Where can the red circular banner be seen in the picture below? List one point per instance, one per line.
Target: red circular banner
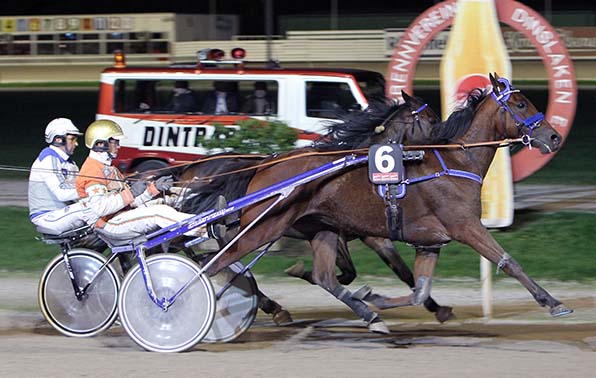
(562, 99)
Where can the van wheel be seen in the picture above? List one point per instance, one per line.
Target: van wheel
(148, 168)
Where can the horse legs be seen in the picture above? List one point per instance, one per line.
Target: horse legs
(325, 245)
(477, 237)
(424, 266)
(279, 314)
(387, 252)
(343, 262)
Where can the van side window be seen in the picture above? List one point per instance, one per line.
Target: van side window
(138, 96)
(328, 99)
(211, 97)
(156, 97)
(259, 97)
(221, 98)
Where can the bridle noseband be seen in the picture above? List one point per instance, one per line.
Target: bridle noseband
(532, 122)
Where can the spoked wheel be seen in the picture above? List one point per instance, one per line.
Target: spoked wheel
(89, 315)
(236, 306)
(185, 322)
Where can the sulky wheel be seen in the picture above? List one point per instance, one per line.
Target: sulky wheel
(185, 322)
(97, 308)
(236, 306)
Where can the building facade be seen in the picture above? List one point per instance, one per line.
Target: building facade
(76, 48)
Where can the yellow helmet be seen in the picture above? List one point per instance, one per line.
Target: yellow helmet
(101, 131)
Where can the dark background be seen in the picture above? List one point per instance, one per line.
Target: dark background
(251, 12)
(31, 110)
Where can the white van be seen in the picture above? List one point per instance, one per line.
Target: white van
(166, 111)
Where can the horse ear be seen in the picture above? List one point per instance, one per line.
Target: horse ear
(405, 96)
(494, 83)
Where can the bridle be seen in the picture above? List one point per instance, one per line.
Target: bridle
(415, 113)
(532, 122)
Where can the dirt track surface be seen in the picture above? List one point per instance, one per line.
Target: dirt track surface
(520, 340)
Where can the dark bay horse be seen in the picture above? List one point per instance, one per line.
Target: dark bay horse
(411, 121)
(356, 128)
(436, 211)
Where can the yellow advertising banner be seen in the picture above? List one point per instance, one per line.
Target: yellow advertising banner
(476, 47)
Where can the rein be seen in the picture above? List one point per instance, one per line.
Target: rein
(500, 143)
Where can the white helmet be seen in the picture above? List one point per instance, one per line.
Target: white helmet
(60, 127)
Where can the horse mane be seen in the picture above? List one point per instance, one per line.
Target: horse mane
(460, 120)
(356, 126)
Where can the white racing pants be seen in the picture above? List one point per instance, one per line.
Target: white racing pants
(67, 218)
(145, 219)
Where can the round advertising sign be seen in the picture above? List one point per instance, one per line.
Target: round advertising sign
(562, 99)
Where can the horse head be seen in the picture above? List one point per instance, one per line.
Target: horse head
(523, 119)
(410, 123)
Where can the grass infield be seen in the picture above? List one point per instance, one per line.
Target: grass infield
(556, 246)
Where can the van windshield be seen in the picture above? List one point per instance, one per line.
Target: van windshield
(210, 97)
(372, 84)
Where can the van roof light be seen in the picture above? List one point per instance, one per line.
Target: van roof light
(119, 60)
(211, 58)
(210, 54)
(238, 53)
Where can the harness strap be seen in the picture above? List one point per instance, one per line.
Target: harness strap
(457, 172)
(394, 213)
(445, 172)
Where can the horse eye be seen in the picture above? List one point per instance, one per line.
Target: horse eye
(521, 105)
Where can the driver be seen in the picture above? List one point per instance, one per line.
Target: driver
(51, 191)
(122, 211)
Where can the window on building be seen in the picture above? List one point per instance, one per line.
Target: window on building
(90, 48)
(158, 48)
(92, 36)
(113, 46)
(82, 42)
(45, 48)
(21, 48)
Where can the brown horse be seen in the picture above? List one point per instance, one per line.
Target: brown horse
(348, 133)
(436, 211)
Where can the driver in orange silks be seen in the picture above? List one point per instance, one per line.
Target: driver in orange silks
(122, 211)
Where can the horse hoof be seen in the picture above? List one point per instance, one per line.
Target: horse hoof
(378, 327)
(282, 317)
(296, 270)
(560, 310)
(444, 313)
(362, 293)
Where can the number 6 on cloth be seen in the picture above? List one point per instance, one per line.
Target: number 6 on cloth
(385, 164)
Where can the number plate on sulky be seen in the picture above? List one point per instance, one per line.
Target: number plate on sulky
(385, 164)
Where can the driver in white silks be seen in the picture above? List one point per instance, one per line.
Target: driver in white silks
(52, 193)
(122, 211)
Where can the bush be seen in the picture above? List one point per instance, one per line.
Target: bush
(252, 136)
